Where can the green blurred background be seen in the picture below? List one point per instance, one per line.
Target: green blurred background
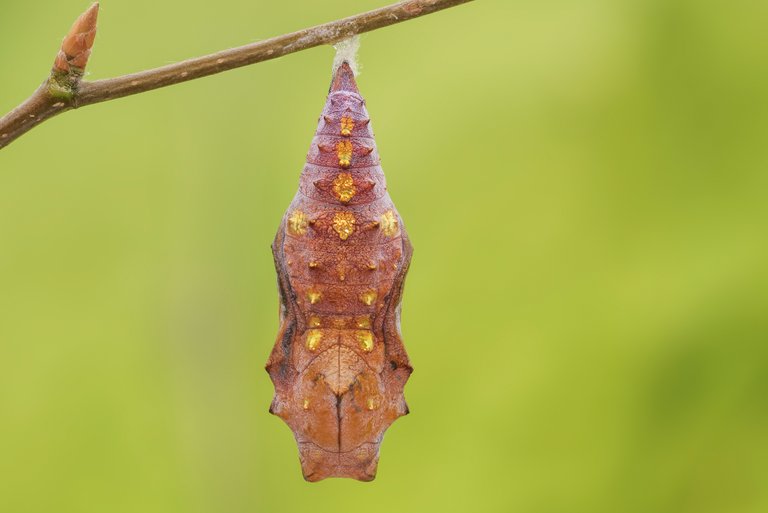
(585, 185)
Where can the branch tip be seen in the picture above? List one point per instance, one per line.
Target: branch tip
(76, 47)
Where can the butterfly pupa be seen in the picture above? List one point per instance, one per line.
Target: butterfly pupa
(341, 254)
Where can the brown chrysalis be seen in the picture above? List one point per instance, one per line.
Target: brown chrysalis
(341, 253)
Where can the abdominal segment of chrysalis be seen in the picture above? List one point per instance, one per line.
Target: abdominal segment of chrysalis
(339, 365)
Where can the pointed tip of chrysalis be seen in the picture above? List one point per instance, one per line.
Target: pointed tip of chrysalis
(344, 79)
(76, 47)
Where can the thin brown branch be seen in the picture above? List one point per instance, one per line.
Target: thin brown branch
(64, 89)
(76, 47)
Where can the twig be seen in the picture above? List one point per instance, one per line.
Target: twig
(64, 89)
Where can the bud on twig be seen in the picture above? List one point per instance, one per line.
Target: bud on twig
(76, 47)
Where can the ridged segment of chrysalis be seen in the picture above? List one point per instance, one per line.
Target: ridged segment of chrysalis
(341, 253)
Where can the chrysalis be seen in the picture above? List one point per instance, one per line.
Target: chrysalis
(341, 253)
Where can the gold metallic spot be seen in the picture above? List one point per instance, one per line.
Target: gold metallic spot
(313, 264)
(363, 322)
(344, 224)
(347, 124)
(306, 404)
(313, 296)
(372, 266)
(313, 339)
(368, 297)
(297, 222)
(344, 152)
(365, 339)
(372, 403)
(388, 223)
(314, 321)
(344, 187)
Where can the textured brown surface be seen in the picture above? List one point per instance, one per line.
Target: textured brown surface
(341, 253)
